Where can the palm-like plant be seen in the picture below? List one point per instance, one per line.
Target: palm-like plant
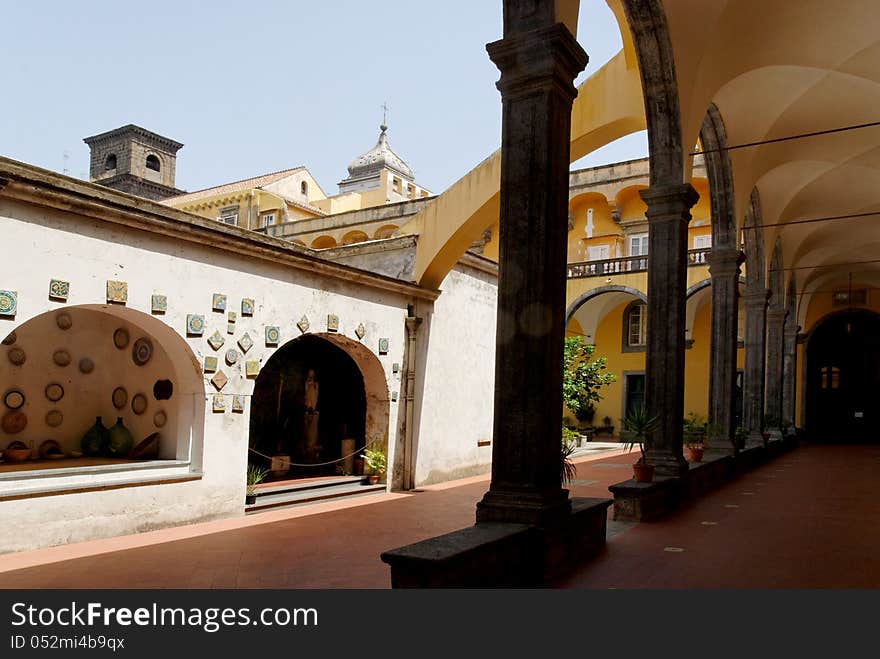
(636, 427)
(255, 475)
(568, 470)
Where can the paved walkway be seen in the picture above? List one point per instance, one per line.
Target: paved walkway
(805, 520)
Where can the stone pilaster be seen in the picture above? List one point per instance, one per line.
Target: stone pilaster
(789, 369)
(538, 66)
(403, 475)
(773, 396)
(753, 377)
(668, 216)
(724, 268)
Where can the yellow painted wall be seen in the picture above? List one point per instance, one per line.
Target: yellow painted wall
(696, 365)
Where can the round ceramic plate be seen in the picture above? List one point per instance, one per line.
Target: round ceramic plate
(13, 399)
(142, 351)
(232, 356)
(86, 365)
(64, 321)
(54, 392)
(120, 338)
(160, 418)
(54, 418)
(120, 397)
(16, 356)
(139, 404)
(50, 448)
(13, 422)
(61, 357)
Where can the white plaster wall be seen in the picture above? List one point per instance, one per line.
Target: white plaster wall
(456, 378)
(50, 244)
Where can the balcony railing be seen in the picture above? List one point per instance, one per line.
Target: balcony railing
(627, 264)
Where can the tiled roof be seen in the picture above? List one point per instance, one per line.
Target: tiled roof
(235, 186)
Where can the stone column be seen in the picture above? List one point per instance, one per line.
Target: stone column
(753, 377)
(668, 216)
(789, 369)
(724, 269)
(775, 340)
(538, 59)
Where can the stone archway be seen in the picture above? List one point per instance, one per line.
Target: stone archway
(352, 407)
(842, 376)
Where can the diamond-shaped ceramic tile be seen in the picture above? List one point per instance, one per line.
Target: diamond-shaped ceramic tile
(245, 342)
(117, 291)
(59, 289)
(219, 380)
(216, 340)
(360, 331)
(303, 324)
(210, 364)
(218, 302)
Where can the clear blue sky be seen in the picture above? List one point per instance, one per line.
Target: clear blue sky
(254, 87)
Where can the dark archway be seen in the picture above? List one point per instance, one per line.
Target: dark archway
(278, 419)
(843, 377)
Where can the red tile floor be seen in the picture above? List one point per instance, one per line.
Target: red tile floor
(807, 519)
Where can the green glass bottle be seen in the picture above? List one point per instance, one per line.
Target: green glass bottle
(120, 440)
(94, 441)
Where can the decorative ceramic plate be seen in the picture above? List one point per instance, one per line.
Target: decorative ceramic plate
(160, 419)
(120, 397)
(142, 351)
(13, 422)
(13, 399)
(16, 356)
(86, 365)
(51, 449)
(120, 338)
(139, 404)
(61, 357)
(54, 418)
(232, 356)
(64, 321)
(54, 392)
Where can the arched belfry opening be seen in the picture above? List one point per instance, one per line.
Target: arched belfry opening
(310, 404)
(843, 377)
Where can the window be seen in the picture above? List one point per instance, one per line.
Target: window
(229, 216)
(395, 183)
(598, 253)
(635, 325)
(268, 219)
(153, 163)
(638, 244)
(110, 163)
(304, 188)
(703, 242)
(830, 377)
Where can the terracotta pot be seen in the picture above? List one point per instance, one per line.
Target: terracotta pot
(695, 453)
(374, 478)
(643, 473)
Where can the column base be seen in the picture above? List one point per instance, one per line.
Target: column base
(523, 507)
(667, 464)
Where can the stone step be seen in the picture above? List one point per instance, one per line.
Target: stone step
(288, 497)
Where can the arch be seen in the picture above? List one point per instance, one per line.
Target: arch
(153, 162)
(601, 290)
(110, 162)
(352, 237)
(753, 239)
(776, 277)
(352, 402)
(385, 231)
(323, 242)
(713, 138)
(95, 367)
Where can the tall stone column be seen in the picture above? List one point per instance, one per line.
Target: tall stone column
(753, 377)
(775, 344)
(724, 268)
(538, 59)
(789, 369)
(668, 216)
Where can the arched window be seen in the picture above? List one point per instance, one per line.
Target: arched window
(304, 187)
(110, 162)
(635, 326)
(153, 163)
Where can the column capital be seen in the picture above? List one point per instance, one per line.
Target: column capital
(548, 57)
(756, 296)
(725, 261)
(776, 315)
(673, 200)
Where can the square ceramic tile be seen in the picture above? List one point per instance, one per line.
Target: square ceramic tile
(195, 324)
(59, 289)
(383, 346)
(332, 323)
(210, 364)
(245, 343)
(252, 368)
(247, 306)
(219, 380)
(158, 303)
(303, 324)
(272, 335)
(216, 340)
(218, 302)
(230, 328)
(8, 303)
(117, 291)
(219, 403)
(238, 403)
(230, 316)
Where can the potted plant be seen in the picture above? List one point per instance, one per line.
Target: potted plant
(694, 436)
(568, 470)
(636, 427)
(255, 475)
(374, 459)
(740, 436)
